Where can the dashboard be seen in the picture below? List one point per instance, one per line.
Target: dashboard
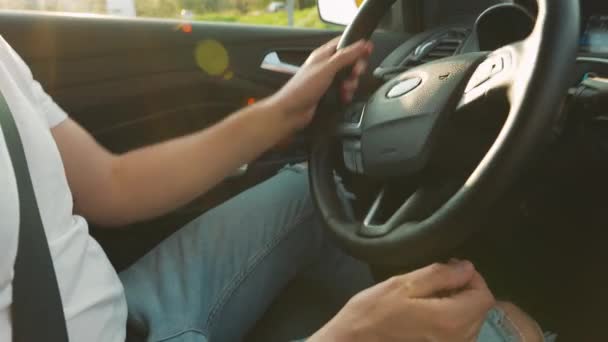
(506, 23)
(486, 25)
(499, 22)
(594, 30)
(594, 25)
(503, 22)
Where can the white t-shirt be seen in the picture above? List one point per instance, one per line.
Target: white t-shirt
(93, 298)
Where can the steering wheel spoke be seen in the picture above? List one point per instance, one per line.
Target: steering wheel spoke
(505, 72)
(416, 207)
(371, 227)
(349, 131)
(373, 211)
(493, 76)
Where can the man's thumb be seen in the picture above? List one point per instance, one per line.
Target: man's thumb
(437, 278)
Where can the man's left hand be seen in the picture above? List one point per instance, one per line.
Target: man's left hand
(299, 98)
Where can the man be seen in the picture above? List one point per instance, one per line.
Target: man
(215, 277)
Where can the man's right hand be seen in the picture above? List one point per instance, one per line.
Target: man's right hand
(442, 302)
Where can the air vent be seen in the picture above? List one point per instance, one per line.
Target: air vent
(444, 45)
(444, 48)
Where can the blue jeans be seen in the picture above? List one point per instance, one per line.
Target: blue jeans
(213, 279)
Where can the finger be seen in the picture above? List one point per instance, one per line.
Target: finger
(359, 68)
(437, 278)
(478, 282)
(362, 64)
(370, 48)
(350, 85)
(348, 56)
(466, 309)
(476, 300)
(329, 48)
(349, 88)
(325, 51)
(467, 305)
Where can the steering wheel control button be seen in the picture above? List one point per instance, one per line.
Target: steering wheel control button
(404, 87)
(486, 70)
(349, 161)
(358, 159)
(351, 123)
(497, 65)
(353, 160)
(354, 113)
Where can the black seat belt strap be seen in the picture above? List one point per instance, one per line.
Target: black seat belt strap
(37, 311)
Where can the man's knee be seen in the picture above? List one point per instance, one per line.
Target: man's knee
(522, 324)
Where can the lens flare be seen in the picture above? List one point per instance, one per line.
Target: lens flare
(212, 57)
(187, 28)
(228, 75)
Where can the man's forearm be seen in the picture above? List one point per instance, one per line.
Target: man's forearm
(113, 190)
(155, 180)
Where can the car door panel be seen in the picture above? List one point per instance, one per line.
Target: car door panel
(134, 82)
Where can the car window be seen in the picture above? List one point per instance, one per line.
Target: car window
(294, 13)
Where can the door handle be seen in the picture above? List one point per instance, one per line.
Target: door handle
(272, 62)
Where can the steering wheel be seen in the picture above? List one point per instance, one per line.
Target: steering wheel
(396, 134)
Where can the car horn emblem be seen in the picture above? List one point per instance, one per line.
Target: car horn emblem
(404, 87)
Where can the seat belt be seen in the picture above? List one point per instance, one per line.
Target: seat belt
(37, 311)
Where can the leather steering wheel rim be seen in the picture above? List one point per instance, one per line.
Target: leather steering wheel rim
(543, 61)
